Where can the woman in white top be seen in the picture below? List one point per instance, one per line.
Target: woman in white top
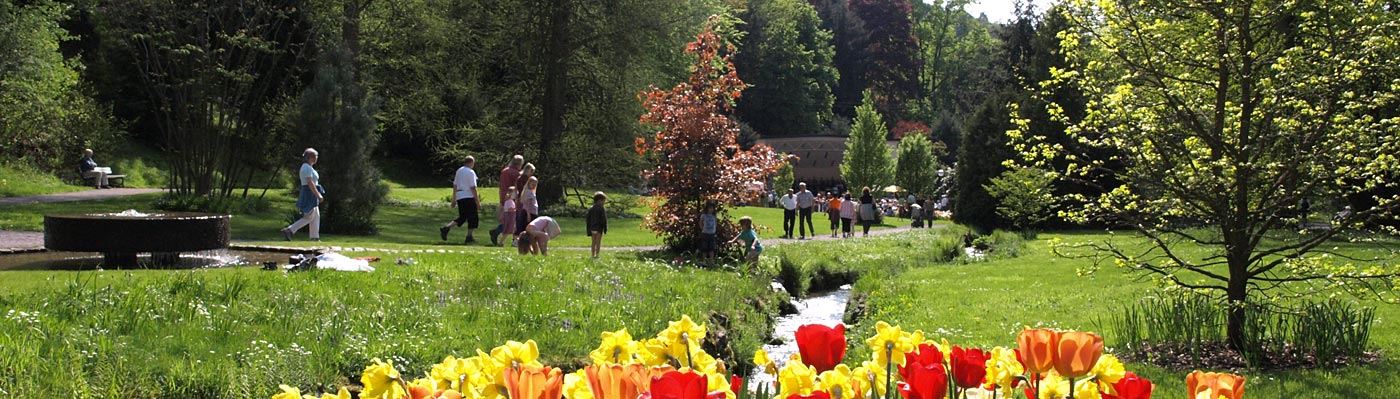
(310, 198)
(535, 238)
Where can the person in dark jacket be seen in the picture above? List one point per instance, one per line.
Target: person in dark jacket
(91, 171)
(597, 221)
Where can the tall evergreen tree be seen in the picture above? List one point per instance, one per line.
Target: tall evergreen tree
(786, 58)
(336, 116)
(848, 36)
(980, 159)
(866, 162)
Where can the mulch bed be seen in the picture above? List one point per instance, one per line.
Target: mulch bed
(1219, 356)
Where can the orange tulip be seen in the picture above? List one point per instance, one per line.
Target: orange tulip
(1215, 384)
(1076, 352)
(420, 392)
(1038, 349)
(617, 381)
(534, 382)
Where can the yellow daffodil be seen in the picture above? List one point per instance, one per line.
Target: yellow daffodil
(890, 344)
(683, 329)
(654, 352)
(1053, 386)
(616, 348)
(760, 359)
(796, 379)
(718, 382)
(1086, 388)
(287, 393)
(451, 372)
(862, 381)
(576, 385)
(1108, 370)
(343, 394)
(1002, 369)
(704, 363)
(381, 381)
(876, 377)
(514, 354)
(836, 382)
(489, 381)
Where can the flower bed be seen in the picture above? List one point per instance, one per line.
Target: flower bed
(1045, 364)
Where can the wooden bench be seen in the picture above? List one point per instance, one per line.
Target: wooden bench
(112, 180)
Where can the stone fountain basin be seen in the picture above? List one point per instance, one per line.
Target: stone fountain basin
(133, 232)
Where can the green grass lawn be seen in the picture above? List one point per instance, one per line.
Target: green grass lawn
(410, 220)
(20, 181)
(239, 332)
(986, 304)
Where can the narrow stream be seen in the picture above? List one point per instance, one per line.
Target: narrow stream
(826, 308)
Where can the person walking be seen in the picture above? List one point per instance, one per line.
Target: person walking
(309, 199)
(789, 204)
(848, 215)
(805, 202)
(867, 211)
(466, 201)
(833, 212)
(597, 221)
(506, 184)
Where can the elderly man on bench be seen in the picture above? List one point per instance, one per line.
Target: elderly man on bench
(101, 175)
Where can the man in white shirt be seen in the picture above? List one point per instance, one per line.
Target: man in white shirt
(805, 202)
(466, 201)
(789, 204)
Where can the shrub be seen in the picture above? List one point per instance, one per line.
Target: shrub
(212, 204)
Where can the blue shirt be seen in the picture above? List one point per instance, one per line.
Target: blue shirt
(708, 223)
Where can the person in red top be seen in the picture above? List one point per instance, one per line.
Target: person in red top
(509, 175)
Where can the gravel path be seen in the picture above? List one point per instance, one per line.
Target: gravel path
(84, 195)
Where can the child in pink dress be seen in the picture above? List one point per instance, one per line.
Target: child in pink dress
(508, 208)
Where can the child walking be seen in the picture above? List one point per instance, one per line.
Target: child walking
(598, 221)
(749, 237)
(708, 225)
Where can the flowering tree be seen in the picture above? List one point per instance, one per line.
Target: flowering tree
(694, 151)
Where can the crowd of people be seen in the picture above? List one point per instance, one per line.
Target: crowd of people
(519, 221)
(518, 214)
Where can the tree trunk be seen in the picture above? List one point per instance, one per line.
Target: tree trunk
(554, 103)
(1236, 294)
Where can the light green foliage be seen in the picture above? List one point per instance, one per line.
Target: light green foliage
(867, 159)
(1025, 195)
(45, 118)
(960, 56)
(783, 179)
(786, 58)
(1230, 127)
(916, 170)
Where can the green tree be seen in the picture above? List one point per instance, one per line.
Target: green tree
(336, 116)
(1224, 116)
(866, 162)
(210, 70)
(786, 58)
(916, 170)
(45, 117)
(893, 62)
(783, 179)
(1025, 196)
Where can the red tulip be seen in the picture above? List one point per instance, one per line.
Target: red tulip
(736, 384)
(926, 355)
(822, 347)
(814, 395)
(678, 385)
(924, 381)
(969, 366)
(1132, 387)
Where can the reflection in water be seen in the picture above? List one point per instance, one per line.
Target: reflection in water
(825, 308)
(93, 261)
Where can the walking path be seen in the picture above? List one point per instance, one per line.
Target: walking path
(84, 195)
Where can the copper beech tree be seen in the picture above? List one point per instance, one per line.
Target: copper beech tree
(695, 156)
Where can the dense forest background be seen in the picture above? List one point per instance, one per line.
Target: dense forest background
(229, 90)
